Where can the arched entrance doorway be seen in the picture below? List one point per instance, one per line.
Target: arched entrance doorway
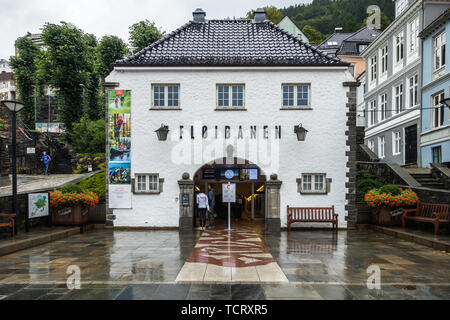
(250, 183)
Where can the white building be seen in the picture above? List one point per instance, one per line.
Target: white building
(231, 93)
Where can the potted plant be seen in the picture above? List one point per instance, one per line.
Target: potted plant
(70, 205)
(386, 199)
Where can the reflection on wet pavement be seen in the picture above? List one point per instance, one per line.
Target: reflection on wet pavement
(144, 265)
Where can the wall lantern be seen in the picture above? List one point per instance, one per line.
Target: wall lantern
(446, 102)
(162, 132)
(301, 132)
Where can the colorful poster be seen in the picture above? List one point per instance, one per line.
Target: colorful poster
(37, 205)
(119, 144)
(119, 101)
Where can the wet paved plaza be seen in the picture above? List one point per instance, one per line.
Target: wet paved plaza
(145, 264)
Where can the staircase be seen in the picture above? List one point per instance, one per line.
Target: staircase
(425, 178)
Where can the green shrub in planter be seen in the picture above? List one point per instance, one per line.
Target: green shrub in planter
(390, 189)
(96, 184)
(365, 181)
(71, 188)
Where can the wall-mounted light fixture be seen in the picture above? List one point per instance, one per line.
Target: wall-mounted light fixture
(301, 132)
(162, 132)
(446, 102)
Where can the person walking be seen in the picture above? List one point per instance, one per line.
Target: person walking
(212, 203)
(118, 127)
(203, 207)
(46, 161)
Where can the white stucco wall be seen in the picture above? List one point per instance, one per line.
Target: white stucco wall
(322, 152)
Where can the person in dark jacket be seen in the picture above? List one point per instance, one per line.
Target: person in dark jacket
(212, 203)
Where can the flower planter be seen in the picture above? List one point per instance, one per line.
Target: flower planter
(70, 216)
(382, 216)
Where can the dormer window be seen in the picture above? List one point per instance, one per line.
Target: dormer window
(400, 6)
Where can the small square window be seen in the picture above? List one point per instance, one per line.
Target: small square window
(314, 183)
(147, 183)
(230, 95)
(296, 95)
(166, 96)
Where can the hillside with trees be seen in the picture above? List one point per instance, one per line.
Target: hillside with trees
(318, 19)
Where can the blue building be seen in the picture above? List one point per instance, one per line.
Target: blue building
(435, 117)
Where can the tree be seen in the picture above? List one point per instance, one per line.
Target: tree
(143, 34)
(24, 67)
(272, 13)
(109, 50)
(88, 136)
(314, 35)
(66, 65)
(92, 107)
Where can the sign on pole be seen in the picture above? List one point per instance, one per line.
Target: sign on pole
(229, 192)
(229, 195)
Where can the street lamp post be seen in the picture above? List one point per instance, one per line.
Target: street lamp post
(14, 107)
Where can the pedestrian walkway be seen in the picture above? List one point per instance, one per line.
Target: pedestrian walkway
(230, 256)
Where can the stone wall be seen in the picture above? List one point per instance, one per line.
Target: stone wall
(442, 173)
(390, 173)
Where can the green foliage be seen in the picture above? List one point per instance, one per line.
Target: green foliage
(314, 35)
(24, 66)
(71, 188)
(94, 109)
(143, 34)
(96, 184)
(109, 50)
(390, 189)
(272, 13)
(67, 67)
(88, 136)
(365, 181)
(325, 15)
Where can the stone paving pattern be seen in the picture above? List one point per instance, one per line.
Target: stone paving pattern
(144, 265)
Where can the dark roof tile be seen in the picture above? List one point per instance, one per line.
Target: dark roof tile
(231, 43)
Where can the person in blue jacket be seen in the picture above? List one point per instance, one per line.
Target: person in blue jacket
(46, 161)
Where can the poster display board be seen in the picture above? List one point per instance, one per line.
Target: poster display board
(38, 205)
(119, 196)
(119, 144)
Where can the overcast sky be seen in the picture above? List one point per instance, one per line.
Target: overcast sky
(113, 17)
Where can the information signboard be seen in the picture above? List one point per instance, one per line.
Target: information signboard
(229, 192)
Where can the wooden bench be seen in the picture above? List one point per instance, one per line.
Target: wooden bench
(304, 214)
(427, 212)
(10, 223)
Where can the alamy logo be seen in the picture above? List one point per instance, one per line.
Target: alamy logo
(74, 278)
(374, 280)
(374, 20)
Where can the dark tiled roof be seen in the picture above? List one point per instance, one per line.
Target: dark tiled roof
(347, 43)
(334, 41)
(230, 43)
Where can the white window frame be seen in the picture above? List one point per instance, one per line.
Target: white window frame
(151, 179)
(371, 145)
(383, 106)
(231, 101)
(166, 96)
(396, 143)
(439, 48)
(400, 6)
(437, 110)
(295, 97)
(413, 91)
(381, 147)
(399, 49)
(413, 36)
(372, 112)
(384, 60)
(373, 69)
(398, 99)
(313, 180)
